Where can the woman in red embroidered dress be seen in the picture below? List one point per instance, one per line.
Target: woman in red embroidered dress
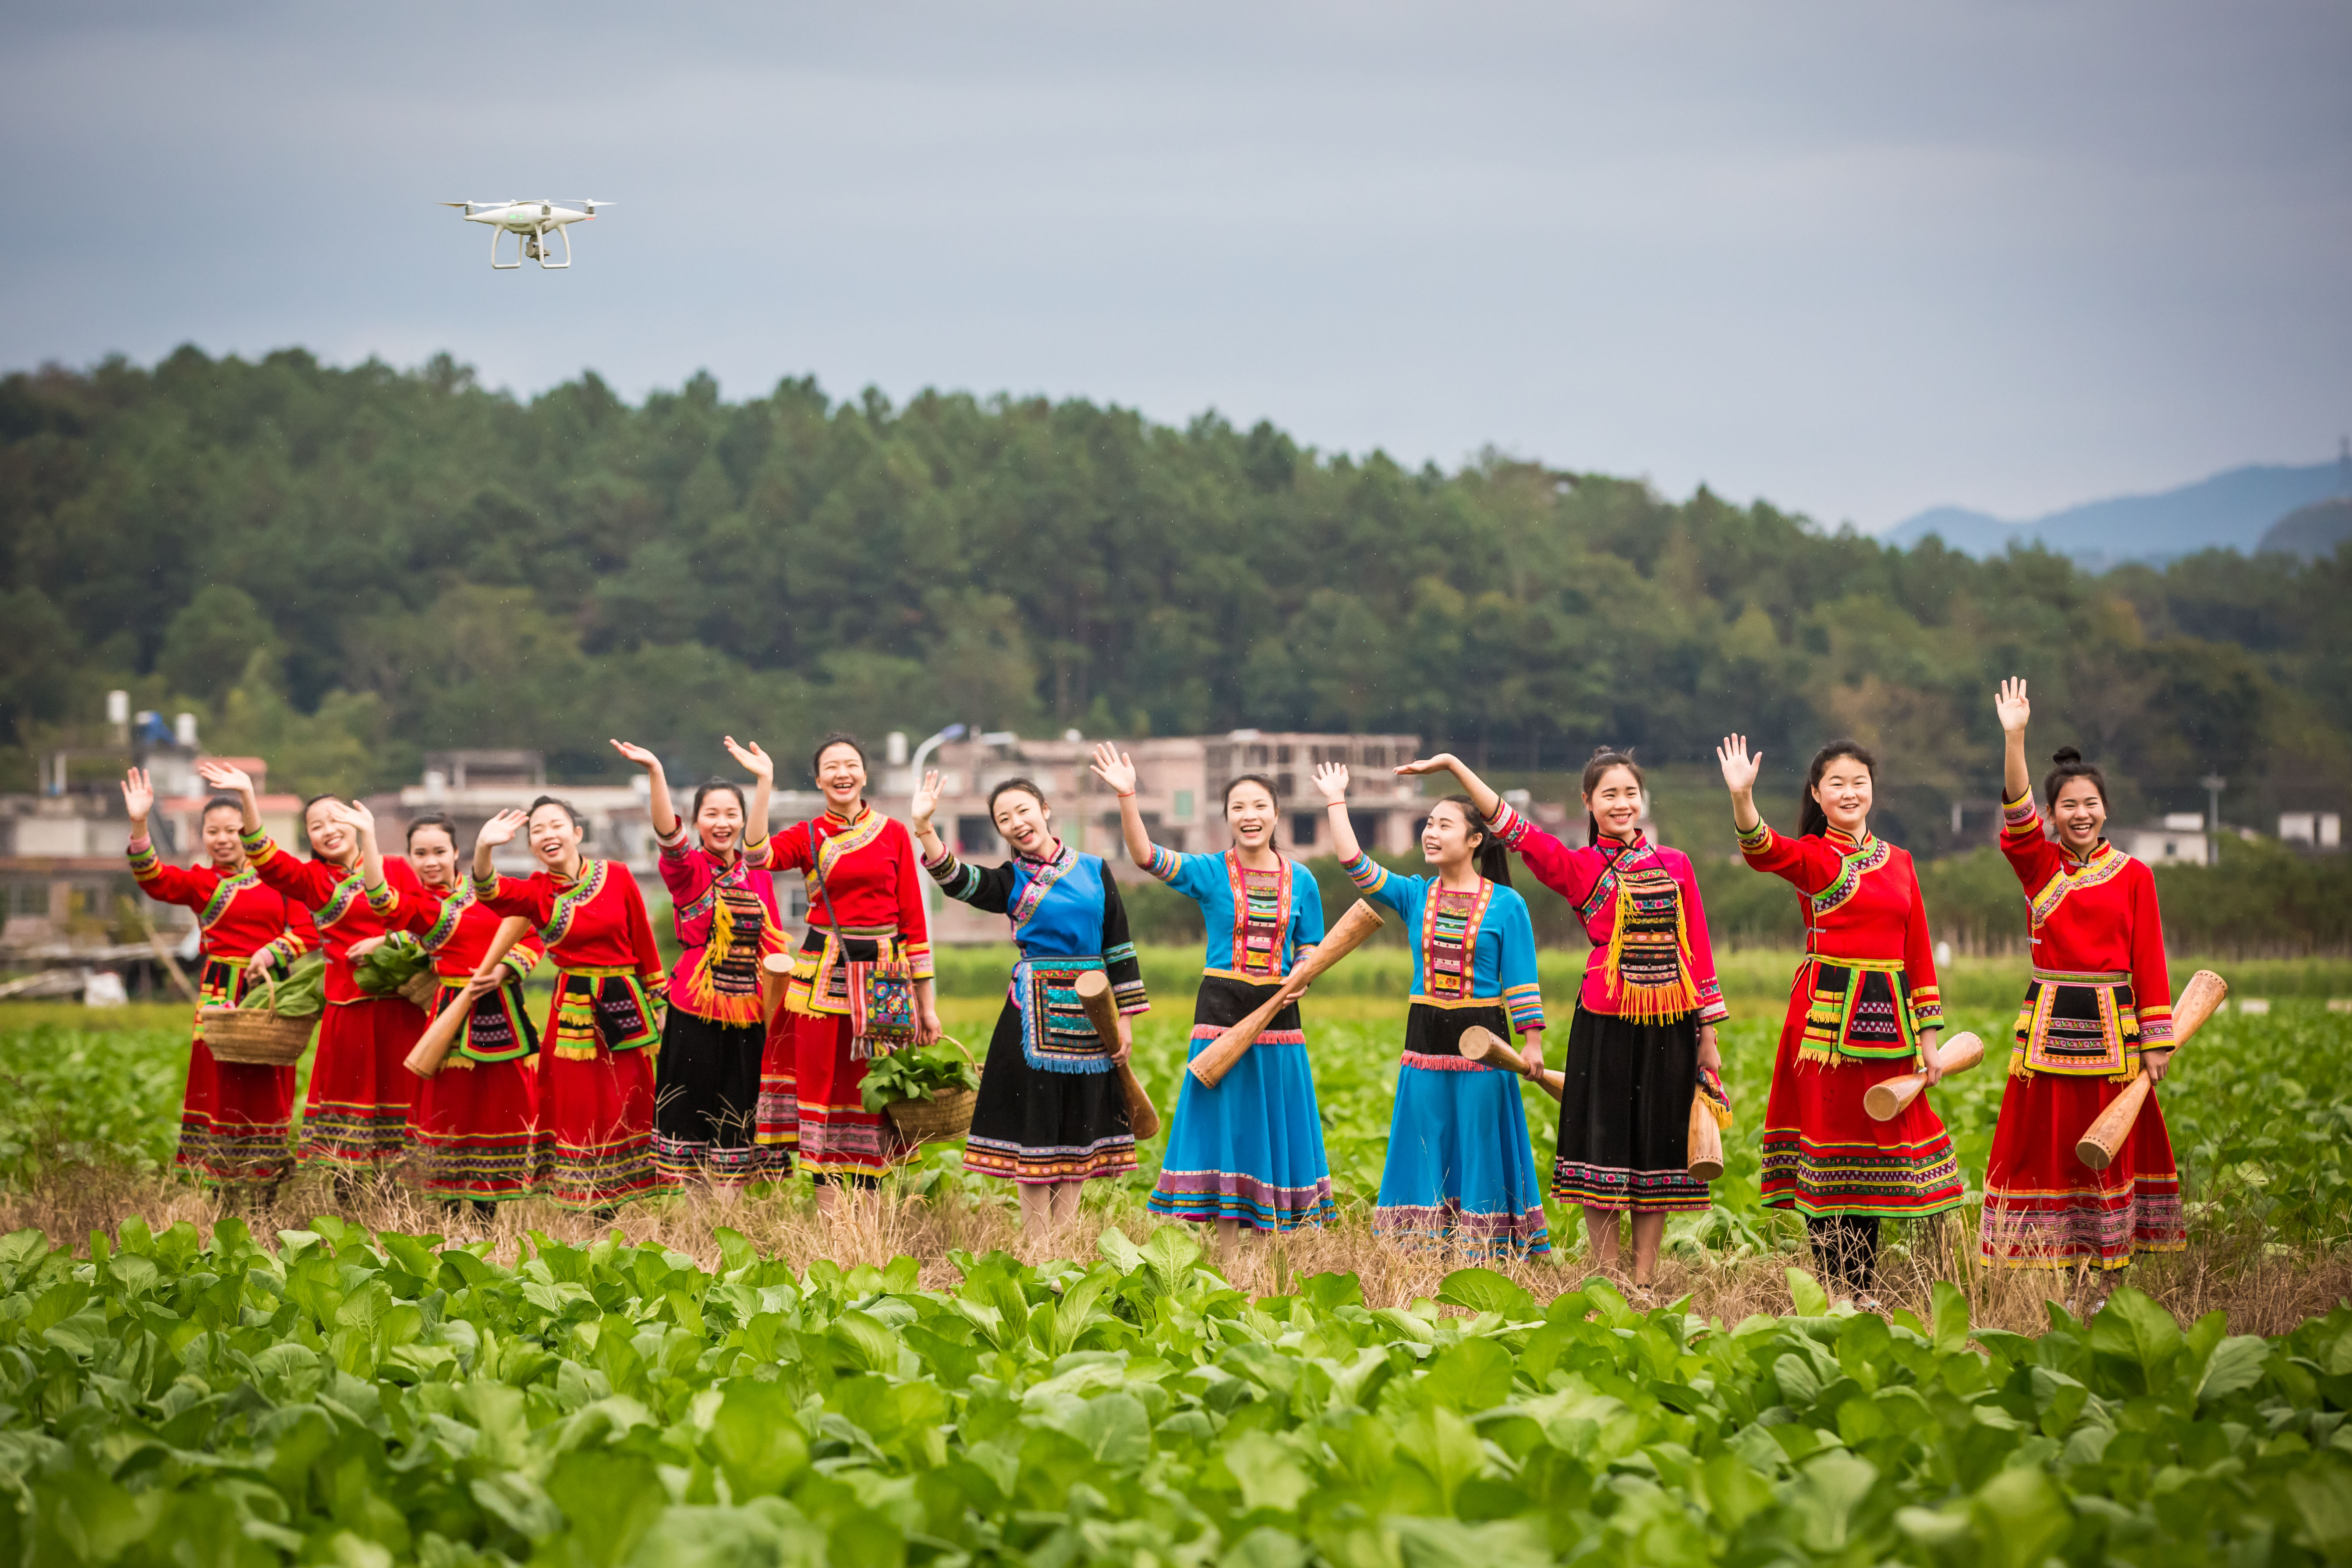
(595, 1138)
(476, 1122)
(861, 983)
(236, 1118)
(1863, 1006)
(356, 1117)
(1643, 1034)
(723, 901)
(2098, 1006)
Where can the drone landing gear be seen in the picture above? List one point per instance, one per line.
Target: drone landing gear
(497, 265)
(531, 246)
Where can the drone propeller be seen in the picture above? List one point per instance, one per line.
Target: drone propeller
(509, 201)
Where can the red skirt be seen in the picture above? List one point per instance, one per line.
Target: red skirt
(236, 1119)
(357, 1115)
(477, 1127)
(777, 1127)
(1824, 1155)
(838, 1136)
(2044, 1208)
(595, 1145)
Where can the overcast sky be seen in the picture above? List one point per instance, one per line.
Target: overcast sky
(1858, 258)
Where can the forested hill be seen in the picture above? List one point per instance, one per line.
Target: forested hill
(344, 567)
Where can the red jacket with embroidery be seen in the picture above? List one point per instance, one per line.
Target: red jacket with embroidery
(1588, 879)
(1861, 900)
(873, 886)
(457, 928)
(237, 914)
(598, 922)
(344, 911)
(2091, 915)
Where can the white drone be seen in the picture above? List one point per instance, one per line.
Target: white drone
(530, 223)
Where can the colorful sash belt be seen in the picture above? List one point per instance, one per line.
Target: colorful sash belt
(610, 1008)
(2077, 1025)
(1056, 1034)
(1859, 1009)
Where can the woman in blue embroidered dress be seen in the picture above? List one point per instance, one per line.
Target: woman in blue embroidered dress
(1051, 1116)
(1248, 1154)
(1459, 1165)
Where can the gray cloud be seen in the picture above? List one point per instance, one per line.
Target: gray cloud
(1858, 258)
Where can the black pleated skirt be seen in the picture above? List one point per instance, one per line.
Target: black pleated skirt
(1032, 1126)
(1625, 1116)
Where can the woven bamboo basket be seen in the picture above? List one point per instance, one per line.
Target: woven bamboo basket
(254, 1037)
(947, 1115)
(420, 988)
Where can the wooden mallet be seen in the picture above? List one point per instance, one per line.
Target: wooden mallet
(2206, 992)
(1347, 934)
(431, 1053)
(1481, 1043)
(1094, 993)
(1886, 1098)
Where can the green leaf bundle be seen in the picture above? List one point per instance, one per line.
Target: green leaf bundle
(393, 964)
(917, 1073)
(300, 992)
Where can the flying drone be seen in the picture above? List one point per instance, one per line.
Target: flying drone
(531, 223)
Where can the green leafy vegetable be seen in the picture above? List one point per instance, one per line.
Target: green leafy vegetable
(300, 992)
(917, 1073)
(391, 965)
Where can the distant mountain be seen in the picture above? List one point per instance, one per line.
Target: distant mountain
(2313, 530)
(2231, 510)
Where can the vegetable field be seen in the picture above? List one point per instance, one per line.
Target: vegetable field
(367, 1400)
(215, 1393)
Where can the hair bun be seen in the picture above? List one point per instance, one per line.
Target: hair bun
(2065, 756)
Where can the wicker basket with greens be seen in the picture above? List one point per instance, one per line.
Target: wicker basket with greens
(273, 1028)
(927, 1092)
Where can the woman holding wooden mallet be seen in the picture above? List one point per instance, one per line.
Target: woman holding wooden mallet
(2097, 1011)
(1864, 1008)
(1052, 1113)
(1642, 1039)
(1248, 1154)
(475, 1121)
(1459, 1169)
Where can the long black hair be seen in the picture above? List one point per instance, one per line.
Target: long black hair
(1603, 759)
(1492, 861)
(2070, 765)
(1811, 820)
(223, 802)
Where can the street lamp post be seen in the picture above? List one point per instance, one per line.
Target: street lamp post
(915, 772)
(2214, 784)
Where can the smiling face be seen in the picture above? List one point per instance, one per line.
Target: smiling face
(1447, 838)
(432, 856)
(1025, 821)
(554, 837)
(221, 845)
(720, 820)
(329, 839)
(2081, 813)
(1615, 802)
(1250, 813)
(841, 774)
(1844, 795)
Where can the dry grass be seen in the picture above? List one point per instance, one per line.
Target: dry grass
(2264, 1289)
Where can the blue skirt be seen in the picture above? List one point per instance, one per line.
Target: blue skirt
(1249, 1150)
(1460, 1166)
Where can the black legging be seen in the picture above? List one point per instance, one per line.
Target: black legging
(1847, 1246)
